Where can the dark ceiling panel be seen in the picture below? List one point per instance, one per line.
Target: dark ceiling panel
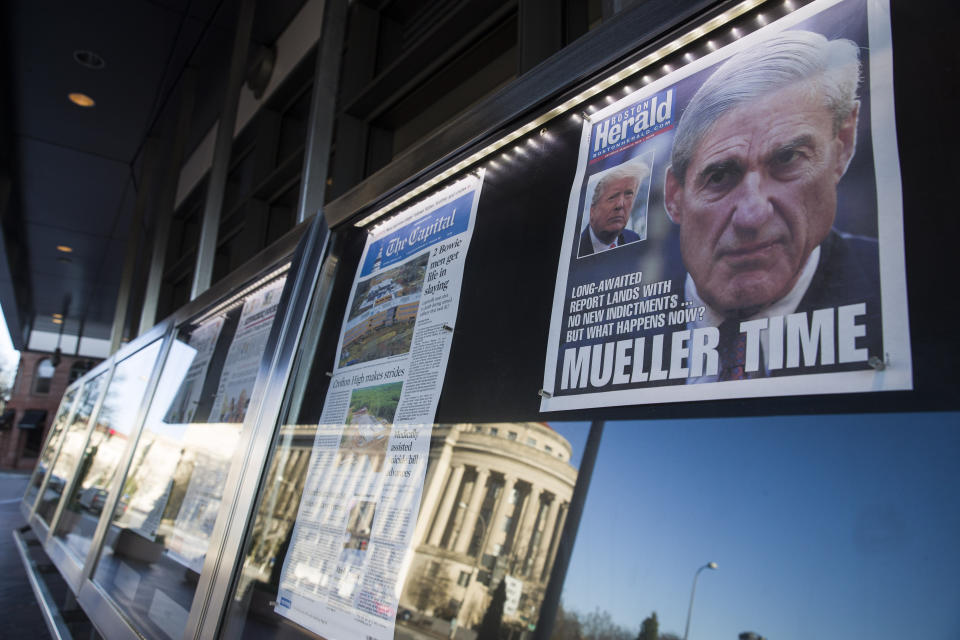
(64, 188)
(45, 259)
(134, 38)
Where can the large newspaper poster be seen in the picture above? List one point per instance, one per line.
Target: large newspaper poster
(735, 226)
(349, 551)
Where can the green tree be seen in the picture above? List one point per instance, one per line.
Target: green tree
(493, 618)
(650, 628)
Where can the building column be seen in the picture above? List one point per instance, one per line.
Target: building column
(543, 549)
(439, 473)
(529, 519)
(500, 510)
(443, 513)
(555, 541)
(470, 517)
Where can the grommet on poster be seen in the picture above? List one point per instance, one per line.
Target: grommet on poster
(447, 327)
(586, 116)
(543, 393)
(329, 374)
(877, 363)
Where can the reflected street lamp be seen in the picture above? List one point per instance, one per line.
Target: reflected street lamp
(693, 591)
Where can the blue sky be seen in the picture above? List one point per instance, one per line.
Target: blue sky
(823, 526)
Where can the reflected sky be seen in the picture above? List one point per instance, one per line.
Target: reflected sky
(822, 526)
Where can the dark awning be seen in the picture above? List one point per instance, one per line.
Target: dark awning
(33, 419)
(6, 419)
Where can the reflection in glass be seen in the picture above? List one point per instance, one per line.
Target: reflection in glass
(74, 440)
(105, 450)
(491, 512)
(57, 429)
(826, 526)
(158, 537)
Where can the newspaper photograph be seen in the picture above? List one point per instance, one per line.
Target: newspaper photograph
(735, 227)
(349, 550)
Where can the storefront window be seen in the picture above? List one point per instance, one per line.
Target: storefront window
(68, 457)
(157, 541)
(825, 526)
(57, 429)
(490, 511)
(105, 451)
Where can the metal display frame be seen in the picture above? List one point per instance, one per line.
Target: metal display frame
(306, 239)
(27, 509)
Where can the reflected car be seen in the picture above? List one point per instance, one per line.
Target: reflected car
(93, 499)
(56, 484)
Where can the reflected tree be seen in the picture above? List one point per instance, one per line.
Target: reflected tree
(650, 629)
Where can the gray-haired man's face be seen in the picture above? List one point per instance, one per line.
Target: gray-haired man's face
(611, 212)
(760, 193)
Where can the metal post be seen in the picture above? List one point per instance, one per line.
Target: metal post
(217, 182)
(133, 244)
(167, 201)
(551, 597)
(693, 591)
(316, 158)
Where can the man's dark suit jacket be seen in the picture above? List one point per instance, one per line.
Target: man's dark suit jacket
(586, 244)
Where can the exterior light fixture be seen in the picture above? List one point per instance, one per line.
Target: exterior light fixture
(62, 248)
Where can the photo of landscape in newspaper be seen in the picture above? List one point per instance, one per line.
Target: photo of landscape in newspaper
(380, 321)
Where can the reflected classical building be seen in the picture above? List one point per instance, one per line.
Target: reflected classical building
(494, 502)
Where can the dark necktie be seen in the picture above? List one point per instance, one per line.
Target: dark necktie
(732, 350)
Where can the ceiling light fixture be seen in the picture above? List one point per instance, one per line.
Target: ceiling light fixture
(64, 248)
(58, 321)
(89, 59)
(81, 100)
(58, 315)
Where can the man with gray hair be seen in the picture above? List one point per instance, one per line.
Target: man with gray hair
(756, 160)
(610, 208)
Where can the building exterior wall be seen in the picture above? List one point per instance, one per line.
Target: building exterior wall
(15, 443)
(505, 488)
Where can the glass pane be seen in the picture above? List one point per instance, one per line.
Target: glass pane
(491, 511)
(74, 440)
(819, 526)
(158, 537)
(104, 452)
(54, 439)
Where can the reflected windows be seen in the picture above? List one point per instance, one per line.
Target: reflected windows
(160, 530)
(104, 453)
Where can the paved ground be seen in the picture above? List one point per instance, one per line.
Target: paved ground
(21, 619)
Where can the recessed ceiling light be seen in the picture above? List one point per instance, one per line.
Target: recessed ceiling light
(58, 321)
(58, 315)
(89, 59)
(64, 248)
(81, 99)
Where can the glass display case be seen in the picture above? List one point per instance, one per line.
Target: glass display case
(50, 449)
(160, 530)
(66, 457)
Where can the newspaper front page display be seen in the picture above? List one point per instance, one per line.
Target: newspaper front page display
(350, 549)
(243, 358)
(208, 448)
(735, 227)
